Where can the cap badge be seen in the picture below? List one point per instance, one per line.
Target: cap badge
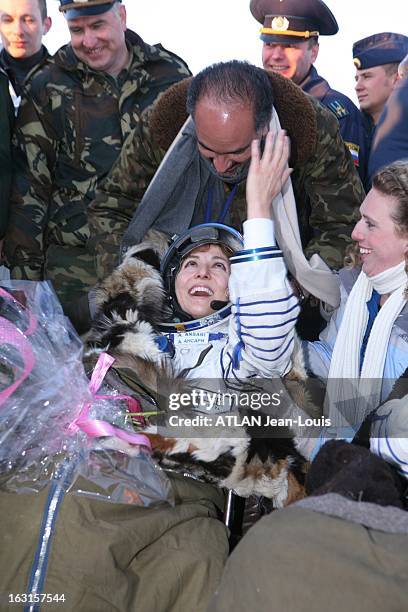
(280, 23)
(357, 63)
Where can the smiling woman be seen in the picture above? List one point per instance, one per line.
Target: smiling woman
(381, 234)
(231, 315)
(363, 351)
(202, 279)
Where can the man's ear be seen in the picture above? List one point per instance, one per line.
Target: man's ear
(315, 52)
(47, 23)
(122, 14)
(395, 78)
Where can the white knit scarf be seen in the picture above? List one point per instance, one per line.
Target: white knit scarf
(352, 395)
(313, 274)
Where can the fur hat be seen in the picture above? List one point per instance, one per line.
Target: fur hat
(354, 472)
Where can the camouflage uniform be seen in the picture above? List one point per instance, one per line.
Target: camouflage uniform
(71, 127)
(327, 188)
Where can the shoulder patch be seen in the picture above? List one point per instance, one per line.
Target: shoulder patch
(354, 150)
(338, 109)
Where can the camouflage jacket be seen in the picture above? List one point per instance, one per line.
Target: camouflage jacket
(6, 165)
(327, 188)
(70, 129)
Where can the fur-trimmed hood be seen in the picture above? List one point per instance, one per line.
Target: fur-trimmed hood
(295, 110)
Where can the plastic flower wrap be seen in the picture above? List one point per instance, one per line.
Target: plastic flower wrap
(56, 425)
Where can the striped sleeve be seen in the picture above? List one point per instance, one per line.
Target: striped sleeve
(264, 314)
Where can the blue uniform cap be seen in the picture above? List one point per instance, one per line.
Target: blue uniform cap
(73, 9)
(288, 21)
(379, 49)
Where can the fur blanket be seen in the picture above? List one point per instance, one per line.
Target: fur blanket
(131, 303)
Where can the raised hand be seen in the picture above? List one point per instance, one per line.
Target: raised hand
(267, 174)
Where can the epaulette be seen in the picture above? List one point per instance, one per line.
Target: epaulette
(338, 109)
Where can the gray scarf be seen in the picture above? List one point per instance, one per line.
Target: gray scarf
(182, 181)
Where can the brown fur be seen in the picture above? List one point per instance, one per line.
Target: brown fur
(135, 277)
(295, 111)
(140, 373)
(296, 491)
(160, 445)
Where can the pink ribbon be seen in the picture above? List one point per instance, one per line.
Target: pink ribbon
(96, 428)
(10, 334)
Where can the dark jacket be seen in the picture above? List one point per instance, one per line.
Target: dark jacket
(348, 115)
(18, 70)
(391, 135)
(6, 164)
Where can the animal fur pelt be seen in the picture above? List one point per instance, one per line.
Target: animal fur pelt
(131, 303)
(247, 464)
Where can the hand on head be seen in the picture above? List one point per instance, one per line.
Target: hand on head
(268, 173)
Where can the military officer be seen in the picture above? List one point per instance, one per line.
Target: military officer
(77, 111)
(290, 33)
(391, 135)
(376, 59)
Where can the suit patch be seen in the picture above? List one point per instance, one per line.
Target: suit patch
(338, 109)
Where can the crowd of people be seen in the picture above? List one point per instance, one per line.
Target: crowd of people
(239, 224)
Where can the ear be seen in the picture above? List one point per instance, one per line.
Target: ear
(315, 52)
(122, 14)
(47, 25)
